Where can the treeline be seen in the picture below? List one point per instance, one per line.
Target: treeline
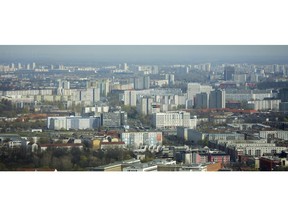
(7, 109)
(61, 159)
(17, 126)
(132, 113)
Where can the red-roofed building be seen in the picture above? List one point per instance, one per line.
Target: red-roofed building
(269, 163)
(108, 145)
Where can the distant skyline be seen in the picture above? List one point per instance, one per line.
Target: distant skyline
(144, 54)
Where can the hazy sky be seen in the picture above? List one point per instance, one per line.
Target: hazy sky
(75, 54)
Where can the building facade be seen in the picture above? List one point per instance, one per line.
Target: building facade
(73, 122)
(217, 99)
(137, 139)
(172, 120)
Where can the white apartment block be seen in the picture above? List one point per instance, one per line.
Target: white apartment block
(247, 95)
(96, 109)
(195, 135)
(130, 98)
(86, 97)
(90, 95)
(196, 88)
(279, 134)
(103, 86)
(31, 92)
(252, 147)
(261, 105)
(144, 106)
(72, 122)
(173, 120)
(260, 150)
(163, 96)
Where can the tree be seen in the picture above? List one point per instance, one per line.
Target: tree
(203, 143)
(45, 158)
(113, 100)
(84, 162)
(31, 141)
(6, 140)
(148, 157)
(66, 163)
(59, 152)
(44, 140)
(3, 167)
(131, 111)
(76, 156)
(76, 108)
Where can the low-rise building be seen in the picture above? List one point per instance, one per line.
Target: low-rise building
(269, 163)
(12, 140)
(109, 145)
(117, 166)
(256, 148)
(143, 167)
(223, 158)
(150, 166)
(190, 168)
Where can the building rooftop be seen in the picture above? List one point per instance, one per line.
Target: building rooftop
(117, 163)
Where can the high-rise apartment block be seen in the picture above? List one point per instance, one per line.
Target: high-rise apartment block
(114, 119)
(217, 99)
(103, 85)
(283, 95)
(145, 105)
(229, 72)
(170, 78)
(142, 82)
(202, 101)
(130, 98)
(195, 88)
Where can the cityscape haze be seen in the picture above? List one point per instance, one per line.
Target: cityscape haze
(144, 108)
(155, 54)
(204, 91)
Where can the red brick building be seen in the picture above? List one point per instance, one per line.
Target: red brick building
(269, 163)
(219, 157)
